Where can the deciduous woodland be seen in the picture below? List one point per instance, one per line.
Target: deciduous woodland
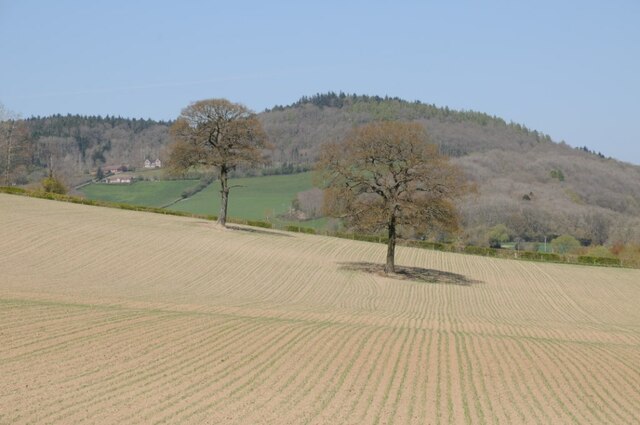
(534, 186)
(113, 316)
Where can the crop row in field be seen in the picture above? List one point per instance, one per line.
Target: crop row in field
(114, 316)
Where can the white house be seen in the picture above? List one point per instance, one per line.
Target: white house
(152, 164)
(119, 180)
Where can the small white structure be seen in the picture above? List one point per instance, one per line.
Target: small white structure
(152, 164)
(113, 169)
(119, 180)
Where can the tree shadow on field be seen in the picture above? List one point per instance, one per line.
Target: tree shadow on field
(236, 228)
(256, 230)
(413, 274)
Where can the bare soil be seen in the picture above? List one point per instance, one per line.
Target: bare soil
(112, 316)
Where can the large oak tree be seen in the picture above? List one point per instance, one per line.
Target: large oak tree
(219, 134)
(386, 176)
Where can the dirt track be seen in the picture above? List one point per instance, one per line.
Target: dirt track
(110, 316)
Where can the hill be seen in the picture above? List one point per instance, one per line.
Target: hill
(534, 186)
(75, 145)
(151, 318)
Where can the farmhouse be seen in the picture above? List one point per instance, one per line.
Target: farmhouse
(152, 164)
(113, 169)
(119, 180)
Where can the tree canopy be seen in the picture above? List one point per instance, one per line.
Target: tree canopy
(217, 133)
(564, 244)
(386, 176)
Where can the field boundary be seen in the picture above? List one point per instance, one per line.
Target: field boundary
(468, 249)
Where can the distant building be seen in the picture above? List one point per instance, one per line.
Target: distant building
(113, 169)
(119, 180)
(152, 164)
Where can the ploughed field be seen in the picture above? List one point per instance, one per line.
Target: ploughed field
(113, 316)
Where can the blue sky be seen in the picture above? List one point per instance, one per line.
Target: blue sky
(567, 68)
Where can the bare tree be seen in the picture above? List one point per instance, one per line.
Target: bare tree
(217, 133)
(597, 226)
(14, 152)
(310, 202)
(52, 153)
(7, 139)
(386, 176)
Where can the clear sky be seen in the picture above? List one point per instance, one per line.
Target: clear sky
(570, 69)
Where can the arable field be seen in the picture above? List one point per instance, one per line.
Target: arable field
(113, 316)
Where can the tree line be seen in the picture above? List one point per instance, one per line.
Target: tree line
(534, 187)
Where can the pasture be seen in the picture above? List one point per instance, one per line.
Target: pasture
(114, 316)
(252, 198)
(146, 193)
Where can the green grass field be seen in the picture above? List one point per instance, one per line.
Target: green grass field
(145, 193)
(255, 198)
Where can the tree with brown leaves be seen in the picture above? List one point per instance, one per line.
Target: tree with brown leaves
(386, 176)
(219, 134)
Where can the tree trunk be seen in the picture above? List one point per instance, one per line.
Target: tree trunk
(390, 266)
(7, 170)
(224, 196)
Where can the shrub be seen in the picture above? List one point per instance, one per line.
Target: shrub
(540, 256)
(479, 250)
(557, 174)
(598, 261)
(600, 251)
(431, 245)
(498, 235)
(53, 185)
(13, 190)
(298, 229)
(258, 223)
(366, 238)
(564, 244)
(205, 181)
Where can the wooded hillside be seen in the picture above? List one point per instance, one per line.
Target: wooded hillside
(525, 180)
(533, 185)
(75, 145)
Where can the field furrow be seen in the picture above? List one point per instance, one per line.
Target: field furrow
(113, 316)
